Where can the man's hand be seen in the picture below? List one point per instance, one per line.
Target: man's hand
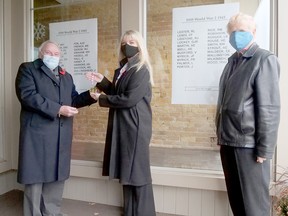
(67, 111)
(260, 160)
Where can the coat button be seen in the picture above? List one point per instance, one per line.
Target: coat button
(61, 124)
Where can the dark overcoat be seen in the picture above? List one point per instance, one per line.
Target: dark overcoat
(129, 128)
(45, 138)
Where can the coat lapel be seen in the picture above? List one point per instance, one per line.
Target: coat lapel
(130, 69)
(38, 63)
(50, 74)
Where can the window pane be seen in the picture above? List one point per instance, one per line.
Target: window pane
(90, 124)
(183, 135)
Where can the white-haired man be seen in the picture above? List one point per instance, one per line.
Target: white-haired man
(48, 103)
(247, 119)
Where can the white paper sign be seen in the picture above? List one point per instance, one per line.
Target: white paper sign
(200, 50)
(78, 43)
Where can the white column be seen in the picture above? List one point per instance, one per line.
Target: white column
(133, 16)
(17, 49)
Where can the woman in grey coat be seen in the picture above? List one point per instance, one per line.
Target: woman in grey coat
(129, 129)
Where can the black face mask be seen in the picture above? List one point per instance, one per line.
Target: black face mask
(129, 51)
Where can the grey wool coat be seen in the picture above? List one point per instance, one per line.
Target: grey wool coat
(129, 130)
(45, 138)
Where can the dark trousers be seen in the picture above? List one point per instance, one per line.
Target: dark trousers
(138, 200)
(247, 181)
(43, 199)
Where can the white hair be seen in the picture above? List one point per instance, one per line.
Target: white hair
(241, 19)
(43, 45)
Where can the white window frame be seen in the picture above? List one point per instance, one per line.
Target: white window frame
(4, 155)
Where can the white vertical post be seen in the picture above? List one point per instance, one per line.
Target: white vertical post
(133, 16)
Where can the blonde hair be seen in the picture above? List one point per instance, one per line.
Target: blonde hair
(43, 45)
(144, 58)
(239, 19)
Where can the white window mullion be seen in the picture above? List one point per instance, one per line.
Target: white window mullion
(3, 152)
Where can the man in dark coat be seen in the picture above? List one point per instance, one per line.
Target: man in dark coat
(48, 103)
(248, 115)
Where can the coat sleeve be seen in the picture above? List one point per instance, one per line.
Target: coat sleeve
(81, 100)
(28, 96)
(267, 106)
(136, 89)
(106, 86)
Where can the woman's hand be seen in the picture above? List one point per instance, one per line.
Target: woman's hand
(94, 77)
(95, 95)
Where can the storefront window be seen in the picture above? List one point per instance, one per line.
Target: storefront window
(183, 134)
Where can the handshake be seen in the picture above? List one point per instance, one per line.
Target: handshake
(94, 78)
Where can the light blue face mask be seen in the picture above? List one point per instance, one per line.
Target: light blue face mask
(51, 61)
(240, 39)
